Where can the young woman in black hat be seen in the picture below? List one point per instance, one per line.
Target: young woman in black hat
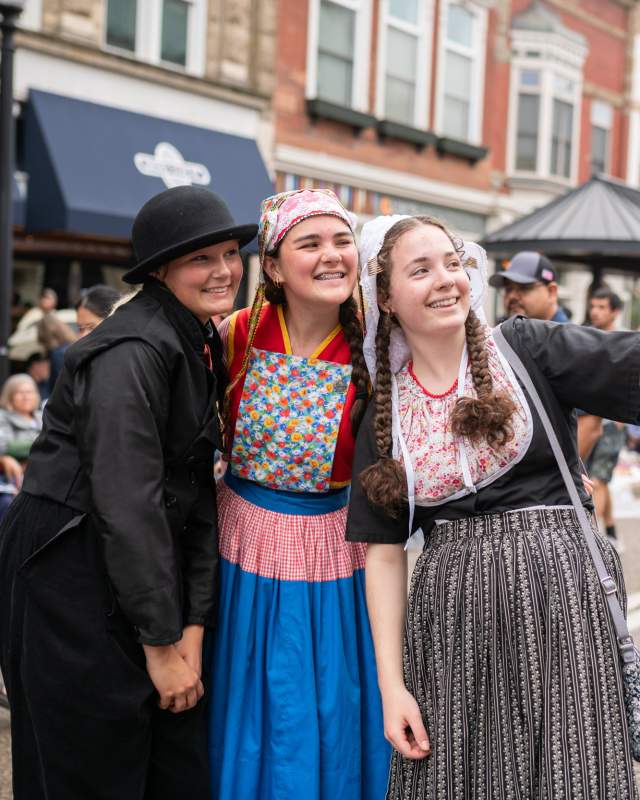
(108, 556)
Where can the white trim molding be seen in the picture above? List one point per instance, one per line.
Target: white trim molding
(361, 50)
(148, 36)
(476, 53)
(422, 30)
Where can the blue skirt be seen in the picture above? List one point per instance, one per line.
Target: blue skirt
(295, 706)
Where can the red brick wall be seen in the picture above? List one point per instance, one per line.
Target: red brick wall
(604, 68)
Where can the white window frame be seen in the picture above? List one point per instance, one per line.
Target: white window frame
(607, 127)
(422, 30)
(557, 57)
(148, 36)
(477, 53)
(361, 55)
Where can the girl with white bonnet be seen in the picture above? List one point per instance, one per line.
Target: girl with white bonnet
(508, 681)
(295, 709)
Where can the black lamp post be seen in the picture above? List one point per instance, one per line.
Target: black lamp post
(10, 11)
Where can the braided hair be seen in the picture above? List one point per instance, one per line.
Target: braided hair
(488, 415)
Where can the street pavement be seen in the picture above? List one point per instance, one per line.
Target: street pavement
(5, 756)
(625, 489)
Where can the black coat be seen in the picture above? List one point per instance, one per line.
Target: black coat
(128, 439)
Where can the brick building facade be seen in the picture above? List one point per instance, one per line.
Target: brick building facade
(475, 110)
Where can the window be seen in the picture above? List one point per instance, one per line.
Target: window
(169, 32)
(338, 52)
(544, 104)
(175, 16)
(461, 70)
(403, 67)
(527, 147)
(121, 24)
(601, 121)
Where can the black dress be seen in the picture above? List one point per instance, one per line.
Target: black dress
(509, 648)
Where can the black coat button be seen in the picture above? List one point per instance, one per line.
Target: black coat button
(170, 500)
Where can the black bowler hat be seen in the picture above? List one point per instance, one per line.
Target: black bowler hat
(527, 266)
(179, 221)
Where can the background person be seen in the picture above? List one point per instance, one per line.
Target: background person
(38, 367)
(20, 424)
(94, 307)
(47, 303)
(602, 440)
(530, 287)
(108, 557)
(54, 336)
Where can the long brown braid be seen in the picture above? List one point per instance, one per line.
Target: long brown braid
(254, 319)
(352, 326)
(487, 415)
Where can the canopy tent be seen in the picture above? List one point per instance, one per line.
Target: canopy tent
(596, 224)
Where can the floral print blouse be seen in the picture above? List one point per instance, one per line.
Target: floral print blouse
(446, 466)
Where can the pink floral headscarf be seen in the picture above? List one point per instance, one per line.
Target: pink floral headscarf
(279, 213)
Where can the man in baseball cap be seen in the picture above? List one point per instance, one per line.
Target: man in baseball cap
(530, 287)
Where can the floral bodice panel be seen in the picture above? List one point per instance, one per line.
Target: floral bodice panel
(262, 403)
(446, 466)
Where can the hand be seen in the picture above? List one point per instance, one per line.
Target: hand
(12, 470)
(190, 647)
(589, 485)
(178, 685)
(403, 725)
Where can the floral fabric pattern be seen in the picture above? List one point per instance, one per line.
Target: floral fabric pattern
(435, 451)
(288, 421)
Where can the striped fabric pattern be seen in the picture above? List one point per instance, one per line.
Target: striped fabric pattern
(511, 656)
(285, 546)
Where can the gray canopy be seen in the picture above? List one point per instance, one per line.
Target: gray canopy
(597, 223)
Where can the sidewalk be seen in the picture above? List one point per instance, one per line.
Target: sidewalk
(5, 756)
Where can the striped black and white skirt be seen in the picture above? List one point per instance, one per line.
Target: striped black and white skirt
(511, 656)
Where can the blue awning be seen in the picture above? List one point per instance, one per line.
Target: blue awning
(91, 167)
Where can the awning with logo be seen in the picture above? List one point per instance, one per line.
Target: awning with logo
(91, 167)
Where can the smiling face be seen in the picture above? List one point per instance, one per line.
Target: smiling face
(429, 291)
(317, 262)
(205, 281)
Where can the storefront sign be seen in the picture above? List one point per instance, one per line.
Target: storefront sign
(168, 164)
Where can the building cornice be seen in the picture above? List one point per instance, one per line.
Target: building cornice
(593, 19)
(45, 44)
